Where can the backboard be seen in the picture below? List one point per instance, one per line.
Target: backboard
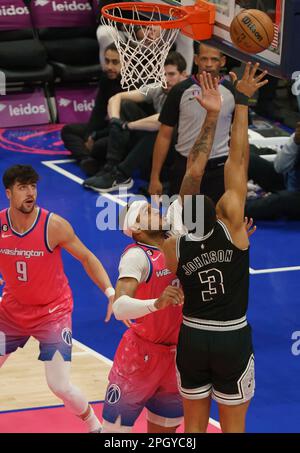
(282, 59)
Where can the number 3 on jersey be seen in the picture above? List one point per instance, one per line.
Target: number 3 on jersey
(22, 271)
(212, 281)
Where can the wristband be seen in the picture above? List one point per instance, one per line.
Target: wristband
(240, 98)
(109, 292)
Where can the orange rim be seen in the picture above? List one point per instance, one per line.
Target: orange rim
(178, 12)
(194, 21)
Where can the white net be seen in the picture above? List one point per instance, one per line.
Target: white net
(143, 49)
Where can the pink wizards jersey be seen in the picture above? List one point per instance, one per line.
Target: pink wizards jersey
(161, 326)
(33, 273)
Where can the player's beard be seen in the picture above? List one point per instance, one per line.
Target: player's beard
(27, 209)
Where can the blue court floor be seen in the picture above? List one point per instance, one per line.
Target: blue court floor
(274, 306)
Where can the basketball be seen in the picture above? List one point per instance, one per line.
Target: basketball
(252, 31)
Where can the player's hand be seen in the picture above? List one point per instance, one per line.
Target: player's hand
(170, 296)
(250, 228)
(89, 144)
(250, 82)
(155, 187)
(109, 308)
(297, 134)
(1, 281)
(210, 96)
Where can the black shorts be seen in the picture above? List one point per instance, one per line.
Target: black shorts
(217, 364)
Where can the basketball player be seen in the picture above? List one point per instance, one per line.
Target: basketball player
(37, 300)
(143, 373)
(215, 356)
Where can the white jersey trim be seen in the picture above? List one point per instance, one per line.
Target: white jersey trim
(166, 422)
(246, 389)
(29, 229)
(197, 393)
(192, 237)
(207, 324)
(47, 231)
(226, 231)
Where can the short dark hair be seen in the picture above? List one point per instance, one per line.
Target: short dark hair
(197, 47)
(190, 219)
(24, 174)
(176, 59)
(112, 47)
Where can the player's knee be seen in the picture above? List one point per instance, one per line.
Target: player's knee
(63, 390)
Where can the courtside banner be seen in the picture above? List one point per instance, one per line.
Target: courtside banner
(24, 109)
(14, 15)
(75, 105)
(62, 13)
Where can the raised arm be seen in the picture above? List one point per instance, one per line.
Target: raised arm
(210, 100)
(62, 234)
(231, 206)
(114, 103)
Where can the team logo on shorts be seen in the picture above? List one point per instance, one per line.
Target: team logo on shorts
(67, 336)
(247, 381)
(113, 394)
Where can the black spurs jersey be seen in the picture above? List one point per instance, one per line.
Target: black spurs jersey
(214, 275)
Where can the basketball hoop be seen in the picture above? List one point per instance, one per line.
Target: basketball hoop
(148, 32)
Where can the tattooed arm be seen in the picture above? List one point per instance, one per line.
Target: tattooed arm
(199, 155)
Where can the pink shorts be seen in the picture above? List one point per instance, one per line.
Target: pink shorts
(143, 375)
(50, 324)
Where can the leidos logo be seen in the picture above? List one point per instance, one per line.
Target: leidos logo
(64, 102)
(21, 109)
(13, 10)
(65, 6)
(84, 106)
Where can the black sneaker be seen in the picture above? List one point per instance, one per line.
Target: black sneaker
(109, 182)
(102, 171)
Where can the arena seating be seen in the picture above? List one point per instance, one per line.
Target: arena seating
(68, 32)
(22, 57)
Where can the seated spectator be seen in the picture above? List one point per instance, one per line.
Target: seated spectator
(90, 139)
(280, 179)
(138, 136)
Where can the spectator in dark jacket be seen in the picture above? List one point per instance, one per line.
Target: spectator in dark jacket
(88, 140)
